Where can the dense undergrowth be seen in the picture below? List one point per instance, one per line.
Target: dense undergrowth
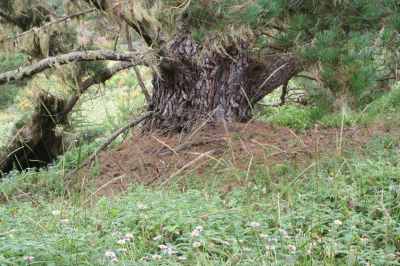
(336, 211)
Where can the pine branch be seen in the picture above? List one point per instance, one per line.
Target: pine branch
(137, 58)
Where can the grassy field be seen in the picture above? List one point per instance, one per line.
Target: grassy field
(336, 210)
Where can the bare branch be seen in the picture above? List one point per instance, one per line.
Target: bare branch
(141, 84)
(137, 58)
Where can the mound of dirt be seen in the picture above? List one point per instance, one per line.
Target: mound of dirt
(151, 158)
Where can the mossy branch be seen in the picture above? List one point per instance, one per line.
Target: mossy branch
(137, 58)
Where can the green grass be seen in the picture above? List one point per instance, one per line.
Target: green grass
(341, 211)
(298, 117)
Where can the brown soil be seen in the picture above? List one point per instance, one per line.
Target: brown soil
(151, 158)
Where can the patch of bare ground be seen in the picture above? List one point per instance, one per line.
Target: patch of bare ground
(154, 159)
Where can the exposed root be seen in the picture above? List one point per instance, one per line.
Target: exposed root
(36, 143)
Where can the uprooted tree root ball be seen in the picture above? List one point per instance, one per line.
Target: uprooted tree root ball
(36, 143)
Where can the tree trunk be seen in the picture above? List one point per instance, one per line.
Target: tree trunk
(196, 82)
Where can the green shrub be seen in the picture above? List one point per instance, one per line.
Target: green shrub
(293, 116)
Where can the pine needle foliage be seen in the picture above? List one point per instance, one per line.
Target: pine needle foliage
(351, 46)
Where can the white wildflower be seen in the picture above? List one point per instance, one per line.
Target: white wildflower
(64, 221)
(254, 225)
(284, 233)
(156, 257)
(338, 222)
(309, 251)
(29, 259)
(292, 248)
(56, 212)
(197, 244)
(199, 228)
(163, 247)
(197, 231)
(122, 241)
(226, 243)
(167, 249)
(128, 236)
(111, 255)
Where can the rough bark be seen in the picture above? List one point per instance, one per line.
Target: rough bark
(196, 82)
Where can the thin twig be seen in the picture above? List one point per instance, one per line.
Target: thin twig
(117, 133)
(198, 158)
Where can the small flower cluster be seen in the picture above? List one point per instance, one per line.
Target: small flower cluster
(197, 231)
(111, 256)
(338, 222)
(29, 259)
(126, 239)
(255, 225)
(167, 249)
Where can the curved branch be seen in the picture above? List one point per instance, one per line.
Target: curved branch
(136, 58)
(266, 77)
(101, 77)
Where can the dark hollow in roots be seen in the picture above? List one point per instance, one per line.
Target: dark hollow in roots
(35, 144)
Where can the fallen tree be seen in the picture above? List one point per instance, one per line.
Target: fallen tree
(36, 143)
